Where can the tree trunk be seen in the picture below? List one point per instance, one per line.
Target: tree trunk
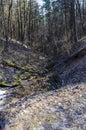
(72, 22)
(4, 26)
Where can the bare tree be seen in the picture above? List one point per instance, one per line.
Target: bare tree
(73, 35)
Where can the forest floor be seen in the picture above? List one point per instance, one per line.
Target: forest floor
(42, 93)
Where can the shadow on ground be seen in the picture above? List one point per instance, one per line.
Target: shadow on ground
(3, 120)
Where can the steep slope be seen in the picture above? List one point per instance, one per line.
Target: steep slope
(75, 68)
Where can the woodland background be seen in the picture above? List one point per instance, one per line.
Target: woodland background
(57, 23)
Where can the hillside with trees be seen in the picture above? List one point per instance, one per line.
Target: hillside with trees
(43, 65)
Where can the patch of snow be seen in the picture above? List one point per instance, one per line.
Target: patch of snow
(2, 94)
(2, 97)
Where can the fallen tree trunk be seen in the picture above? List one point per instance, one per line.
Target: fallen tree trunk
(76, 56)
(27, 68)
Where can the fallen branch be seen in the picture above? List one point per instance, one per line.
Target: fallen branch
(5, 84)
(27, 68)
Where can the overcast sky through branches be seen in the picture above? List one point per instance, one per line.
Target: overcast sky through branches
(40, 2)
